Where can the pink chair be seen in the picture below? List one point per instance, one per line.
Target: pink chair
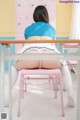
(54, 74)
(71, 63)
(70, 45)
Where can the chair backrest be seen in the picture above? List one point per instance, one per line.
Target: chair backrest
(44, 64)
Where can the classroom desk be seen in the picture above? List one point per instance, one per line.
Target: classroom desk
(46, 56)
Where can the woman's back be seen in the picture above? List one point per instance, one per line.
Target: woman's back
(40, 29)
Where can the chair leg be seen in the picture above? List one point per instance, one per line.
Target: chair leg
(25, 86)
(20, 77)
(22, 88)
(61, 95)
(55, 88)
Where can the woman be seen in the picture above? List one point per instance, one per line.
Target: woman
(41, 27)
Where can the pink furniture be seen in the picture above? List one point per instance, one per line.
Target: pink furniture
(71, 45)
(54, 74)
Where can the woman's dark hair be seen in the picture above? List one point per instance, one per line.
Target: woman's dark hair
(41, 14)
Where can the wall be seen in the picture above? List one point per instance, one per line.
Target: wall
(7, 18)
(63, 19)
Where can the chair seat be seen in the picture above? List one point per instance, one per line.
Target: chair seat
(40, 71)
(73, 62)
(70, 45)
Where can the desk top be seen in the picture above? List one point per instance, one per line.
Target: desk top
(3, 42)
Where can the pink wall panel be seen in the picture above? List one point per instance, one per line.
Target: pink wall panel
(24, 13)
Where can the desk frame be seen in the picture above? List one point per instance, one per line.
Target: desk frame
(42, 56)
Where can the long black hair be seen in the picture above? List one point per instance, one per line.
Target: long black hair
(41, 14)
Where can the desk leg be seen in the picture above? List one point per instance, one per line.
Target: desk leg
(2, 81)
(78, 92)
(10, 86)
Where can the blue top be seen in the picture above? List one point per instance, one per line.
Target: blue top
(40, 29)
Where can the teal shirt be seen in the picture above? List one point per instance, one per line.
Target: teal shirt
(40, 29)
